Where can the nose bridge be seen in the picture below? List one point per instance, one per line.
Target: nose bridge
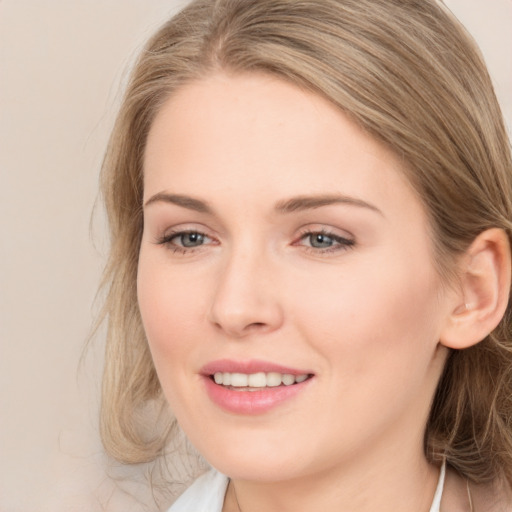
(245, 298)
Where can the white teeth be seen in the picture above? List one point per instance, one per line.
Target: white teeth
(288, 379)
(239, 380)
(273, 379)
(257, 380)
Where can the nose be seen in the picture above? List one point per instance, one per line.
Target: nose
(246, 299)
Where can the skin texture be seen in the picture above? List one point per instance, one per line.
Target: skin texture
(364, 318)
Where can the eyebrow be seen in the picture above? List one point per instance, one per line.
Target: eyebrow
(180, 200)
(294, 204)
(310, 202)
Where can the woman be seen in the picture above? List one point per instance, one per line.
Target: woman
(310, 207)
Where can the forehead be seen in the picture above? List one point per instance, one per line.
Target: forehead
(253, 132)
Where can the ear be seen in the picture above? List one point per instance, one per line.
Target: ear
(485, 277)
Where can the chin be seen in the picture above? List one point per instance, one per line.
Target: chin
(251, 460)
(256, 469)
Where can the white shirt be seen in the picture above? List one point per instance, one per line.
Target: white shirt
(206, 494)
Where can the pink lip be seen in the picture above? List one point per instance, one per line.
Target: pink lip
(252, 366)
(250, 402)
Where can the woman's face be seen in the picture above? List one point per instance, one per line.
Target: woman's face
(286, 282)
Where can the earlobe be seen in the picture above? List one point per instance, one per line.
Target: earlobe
(485, 278)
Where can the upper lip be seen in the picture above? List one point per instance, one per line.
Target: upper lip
(249, 367)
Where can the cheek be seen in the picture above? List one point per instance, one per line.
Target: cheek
(376, 333)
(169, 309)
(376, 315)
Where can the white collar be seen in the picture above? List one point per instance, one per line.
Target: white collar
(436, 503)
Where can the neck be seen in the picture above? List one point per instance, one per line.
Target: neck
(396, 482)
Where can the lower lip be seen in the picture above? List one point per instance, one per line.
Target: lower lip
(252, 402)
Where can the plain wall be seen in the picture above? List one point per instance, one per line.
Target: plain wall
(62, 64)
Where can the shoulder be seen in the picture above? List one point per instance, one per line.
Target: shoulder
(461, 496)
(206, 494)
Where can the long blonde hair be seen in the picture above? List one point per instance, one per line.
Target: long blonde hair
(408, 73)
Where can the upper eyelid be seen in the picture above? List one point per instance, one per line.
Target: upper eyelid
(327, 230)
(190, 227)
(170, 234)
(329, 234)
(342, 240)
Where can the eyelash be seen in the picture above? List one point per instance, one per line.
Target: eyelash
(341, 243)
(169, 237)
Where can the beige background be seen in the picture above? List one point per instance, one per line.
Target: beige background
(62, 65)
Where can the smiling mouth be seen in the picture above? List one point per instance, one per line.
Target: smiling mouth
(257, 381)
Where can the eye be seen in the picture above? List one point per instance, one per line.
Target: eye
(320, 240)
(184, 241)
(189, 239)
(323, 241)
